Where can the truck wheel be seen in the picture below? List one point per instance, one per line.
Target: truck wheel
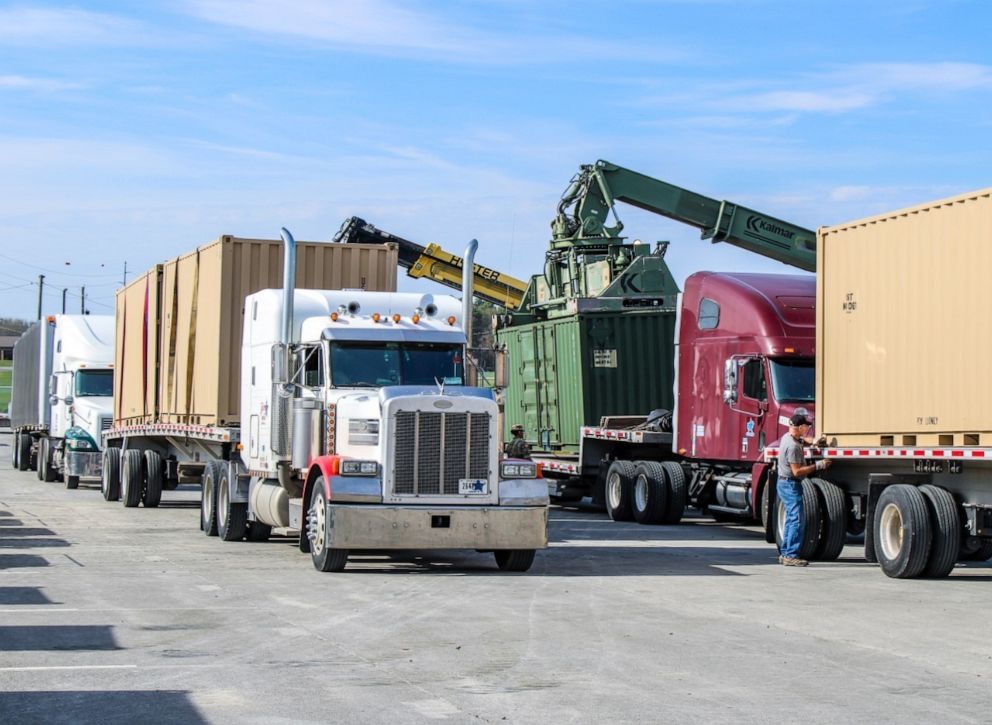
(23, 452)
(257, 531)
(677, 492)
(811, 522)
(152, 494)
(515, 560)
(945, 528)
(902, 531)
(769, 504)
(650, 493)
(14, 449)
(132, 481)
(41, 457)
(232, 518)
(49, 472)
(324, 558)
(833, 520)
(110, 479)
(71, 482)
(208, 498)
(619, 490)
(976, 550)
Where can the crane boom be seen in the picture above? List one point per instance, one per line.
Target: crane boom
(589, 202)
(434, 263)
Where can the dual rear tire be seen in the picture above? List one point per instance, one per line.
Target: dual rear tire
(917, 531)
(824, 513)
(648, 492)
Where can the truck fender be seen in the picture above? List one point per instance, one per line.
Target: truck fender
(326, 466)
(762, 477)
(759, 474)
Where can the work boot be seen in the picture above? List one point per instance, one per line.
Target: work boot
(790, 561)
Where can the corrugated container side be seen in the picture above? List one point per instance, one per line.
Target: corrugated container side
(570, 372)
(202, 314)
(904, 327)
(136, 349)
(26, 379)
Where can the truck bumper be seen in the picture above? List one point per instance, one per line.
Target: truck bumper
(443, 527)
(85, 464)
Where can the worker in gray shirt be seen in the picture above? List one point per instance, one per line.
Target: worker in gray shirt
(792, 469)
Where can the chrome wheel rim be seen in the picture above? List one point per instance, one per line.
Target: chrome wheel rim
(208, 499)
(223, 494)
(890, 531)
(613, 490)
(317, 525)
(641, 492)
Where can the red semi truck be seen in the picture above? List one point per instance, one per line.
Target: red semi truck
(744, 364)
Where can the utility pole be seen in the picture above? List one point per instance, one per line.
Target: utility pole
(82, 300)
(41, 290)
(124, 283)
(64, 290)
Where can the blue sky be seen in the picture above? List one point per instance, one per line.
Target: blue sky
(137, 131)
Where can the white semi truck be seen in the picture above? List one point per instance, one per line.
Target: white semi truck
(62, 390)
(356, 430)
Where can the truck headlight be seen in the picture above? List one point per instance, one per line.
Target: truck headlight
(79, 444)
(363, 432)
(517, 469)
(354, 467)
(77, 439)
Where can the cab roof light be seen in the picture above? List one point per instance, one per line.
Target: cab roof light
(415, 319)
(334, 317)
(376, 317)
(451, 320)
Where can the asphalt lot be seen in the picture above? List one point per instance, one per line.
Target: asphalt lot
(123, 615)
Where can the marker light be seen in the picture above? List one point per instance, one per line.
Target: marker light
(334, 317)
(396, 319)
(790, 349)
(376, 317)
(451, 320)
(415, 319)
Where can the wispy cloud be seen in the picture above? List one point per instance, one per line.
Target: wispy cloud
(25, 83)
(387, 27)
(30, 26)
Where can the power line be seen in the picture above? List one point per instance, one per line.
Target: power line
(57, 272)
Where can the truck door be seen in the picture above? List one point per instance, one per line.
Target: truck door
(751, 407)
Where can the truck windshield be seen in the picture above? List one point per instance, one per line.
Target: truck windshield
(793, 380)
(94, 383)
(373, 365)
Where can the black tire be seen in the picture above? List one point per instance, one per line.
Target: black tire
(232, 517)
(208, 498)
(50, 474)
(902, 531)
(15, 447)
(515, 560)
(151, 496)
(811, 521)
(945, 530)
(71, 482)
(678, 492)
(769, 504)
(833, 520)
(620, 491)
(597, 497)
(324, 558)
(23, 452)
(132, 478)
(257, 531)
(110, 480)
(650, 493)
(976, 550)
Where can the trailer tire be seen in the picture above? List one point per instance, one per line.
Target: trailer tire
(811, 521)
(132, 478)
(833, 520)
(23, 452)
(15, 449)
(945, 528)
(902, 531)
(982, 551)
(257, 531)
(110, 480)
(151, 496)
(208, 498)
(324, 557)
(620, 491)
(515, 560)
(650, 493)
(232, 517)
(677, 492)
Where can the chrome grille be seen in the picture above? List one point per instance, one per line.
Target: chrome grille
(435, 450)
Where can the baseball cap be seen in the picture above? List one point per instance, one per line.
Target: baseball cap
(801, 417)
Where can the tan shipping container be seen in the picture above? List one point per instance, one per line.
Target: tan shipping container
(904, 326)
(187, 347)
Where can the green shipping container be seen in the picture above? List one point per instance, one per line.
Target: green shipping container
(571, 371)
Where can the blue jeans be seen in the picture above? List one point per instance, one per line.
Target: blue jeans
(790, 491)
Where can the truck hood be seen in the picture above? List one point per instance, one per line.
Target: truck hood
(89, 412)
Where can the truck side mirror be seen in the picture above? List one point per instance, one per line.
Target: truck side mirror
(67, 399)
(53, 399)
(53, 385)
(730, 381)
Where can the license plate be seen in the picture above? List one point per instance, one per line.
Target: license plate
(473, 485)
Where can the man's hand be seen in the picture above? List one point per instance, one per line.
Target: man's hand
(823, 464)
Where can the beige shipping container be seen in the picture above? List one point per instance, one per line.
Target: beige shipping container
(180, 325)
(904, 326)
